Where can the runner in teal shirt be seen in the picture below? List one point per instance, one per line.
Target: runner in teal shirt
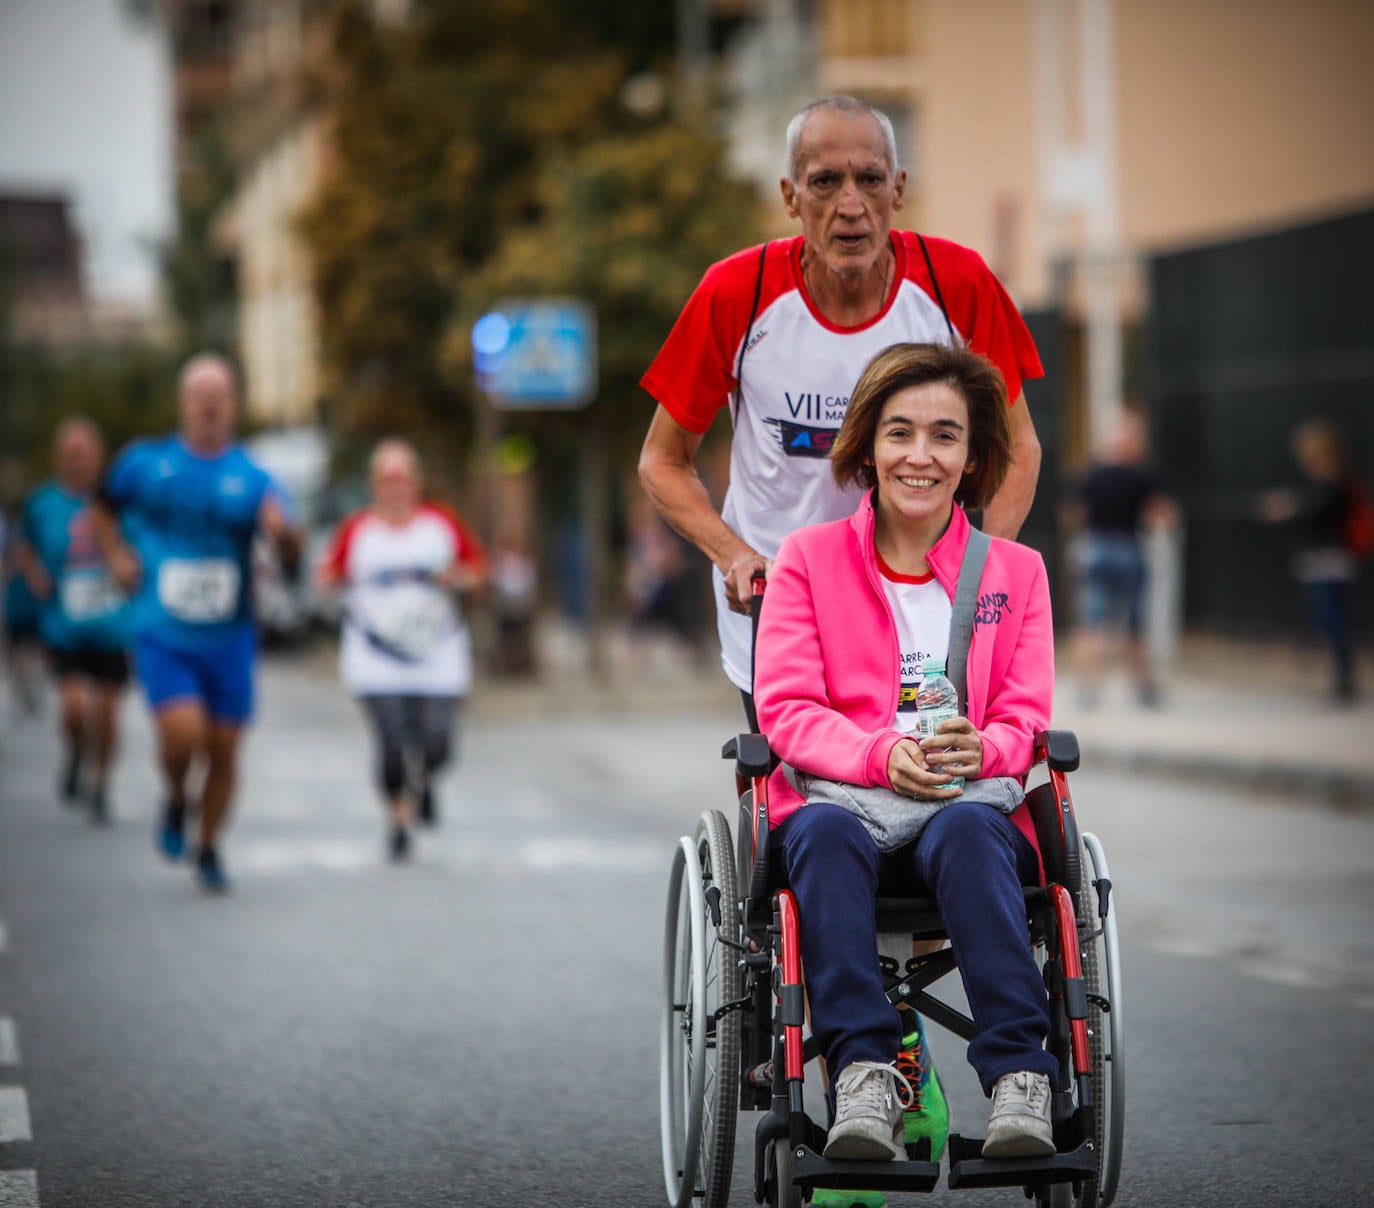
(83, 613)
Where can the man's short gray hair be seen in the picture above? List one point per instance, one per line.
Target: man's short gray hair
(209, 363)
(851, 107)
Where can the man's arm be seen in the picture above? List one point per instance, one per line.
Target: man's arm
(121, 560)
(668, 473)
(1007, 510)
(288, 537)
(29, 567)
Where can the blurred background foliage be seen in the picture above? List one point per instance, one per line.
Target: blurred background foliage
(516, 148)
(494, 152)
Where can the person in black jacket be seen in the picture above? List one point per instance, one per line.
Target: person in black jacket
(1319, 511)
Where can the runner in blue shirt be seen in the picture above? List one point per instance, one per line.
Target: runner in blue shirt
(176, 517)
(83, 616)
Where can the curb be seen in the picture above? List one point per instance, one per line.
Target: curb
(1344, 789)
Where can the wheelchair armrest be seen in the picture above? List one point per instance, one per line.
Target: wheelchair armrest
(1058, 748)
(750, 753)
(1056, 832)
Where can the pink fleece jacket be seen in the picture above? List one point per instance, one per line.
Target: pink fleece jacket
(826, 673)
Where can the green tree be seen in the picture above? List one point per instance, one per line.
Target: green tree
(480, 149)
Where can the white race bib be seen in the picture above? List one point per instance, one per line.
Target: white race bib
(413, 628)
(89, 594)
(201, 591)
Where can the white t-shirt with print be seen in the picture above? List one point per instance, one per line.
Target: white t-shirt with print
(403, 633)
(922, 611)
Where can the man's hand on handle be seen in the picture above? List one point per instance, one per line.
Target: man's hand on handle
(739, 580)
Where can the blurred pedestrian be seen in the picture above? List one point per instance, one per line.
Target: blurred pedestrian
(405, 653)
(659, 577)
(1333, 525)
(780, 334)
(23, 646)
(1117, 498)
(175, 519)
(514, 598)
(84, 616)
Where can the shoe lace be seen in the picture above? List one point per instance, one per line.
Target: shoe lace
(1022, 1087)
(911, 1065)
(865, 1089)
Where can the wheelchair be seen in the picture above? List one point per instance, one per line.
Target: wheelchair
(731, 1025)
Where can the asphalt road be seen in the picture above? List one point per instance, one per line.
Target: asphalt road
(478, 1028)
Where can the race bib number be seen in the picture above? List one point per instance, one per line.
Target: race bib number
(89, 595)
(201, 591)
(414, 629)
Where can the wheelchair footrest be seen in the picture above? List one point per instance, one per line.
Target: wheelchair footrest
(968, 1167)
(809, 1169)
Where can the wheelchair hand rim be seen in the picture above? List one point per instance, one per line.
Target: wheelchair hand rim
(680, 1187)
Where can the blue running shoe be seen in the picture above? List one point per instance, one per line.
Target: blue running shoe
(210, 872)
(171, 832)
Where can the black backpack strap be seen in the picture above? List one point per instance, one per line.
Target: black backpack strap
(748, 332)
(935, 281)
(965, 609)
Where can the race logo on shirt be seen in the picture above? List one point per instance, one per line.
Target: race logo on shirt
(810, 439)
(802, 440)
(912, 672)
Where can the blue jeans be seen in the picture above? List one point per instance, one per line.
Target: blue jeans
(836, 872)
(1113, 587)
(1329, 601)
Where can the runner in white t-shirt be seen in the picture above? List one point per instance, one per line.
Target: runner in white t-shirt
(405, 651)
(781, 334)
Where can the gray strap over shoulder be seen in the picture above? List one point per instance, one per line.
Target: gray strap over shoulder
(964, 610)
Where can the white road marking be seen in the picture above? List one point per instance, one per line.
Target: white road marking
(9, 1042)
(18, 1189)
(14, 1114)
(551, 854)
(4, 939)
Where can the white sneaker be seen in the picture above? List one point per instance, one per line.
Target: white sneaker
(1019, 1126)
(868, 1113)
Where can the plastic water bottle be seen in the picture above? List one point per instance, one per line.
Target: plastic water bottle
(936, 701)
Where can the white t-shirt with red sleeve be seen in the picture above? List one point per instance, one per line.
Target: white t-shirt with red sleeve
(403, 632)
(797, 375)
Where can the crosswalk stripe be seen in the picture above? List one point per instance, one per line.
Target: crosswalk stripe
(9, 1042)
(18, 1189)
(14, 1114)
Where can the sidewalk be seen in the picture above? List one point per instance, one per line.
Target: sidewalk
(1219, 720)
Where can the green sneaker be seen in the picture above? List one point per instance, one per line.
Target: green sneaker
(929, 1114)
(832, 1197)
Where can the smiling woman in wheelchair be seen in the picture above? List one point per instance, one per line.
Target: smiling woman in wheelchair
(853, 609)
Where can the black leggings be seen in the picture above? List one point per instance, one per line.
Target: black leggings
(422, 725)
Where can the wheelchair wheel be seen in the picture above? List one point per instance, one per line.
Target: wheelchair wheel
(1101, 979)
(699, 1047)
(1109, 1073)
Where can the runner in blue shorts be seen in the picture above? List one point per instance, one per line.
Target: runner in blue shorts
(176, 518)
(83, 616)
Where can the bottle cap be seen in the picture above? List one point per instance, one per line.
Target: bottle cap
(933, 666)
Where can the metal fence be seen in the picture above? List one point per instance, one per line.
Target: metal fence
(1245, 340)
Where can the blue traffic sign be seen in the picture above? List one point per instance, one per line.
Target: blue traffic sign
(537, 353)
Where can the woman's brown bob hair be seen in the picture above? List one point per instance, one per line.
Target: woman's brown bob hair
(978, 382)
